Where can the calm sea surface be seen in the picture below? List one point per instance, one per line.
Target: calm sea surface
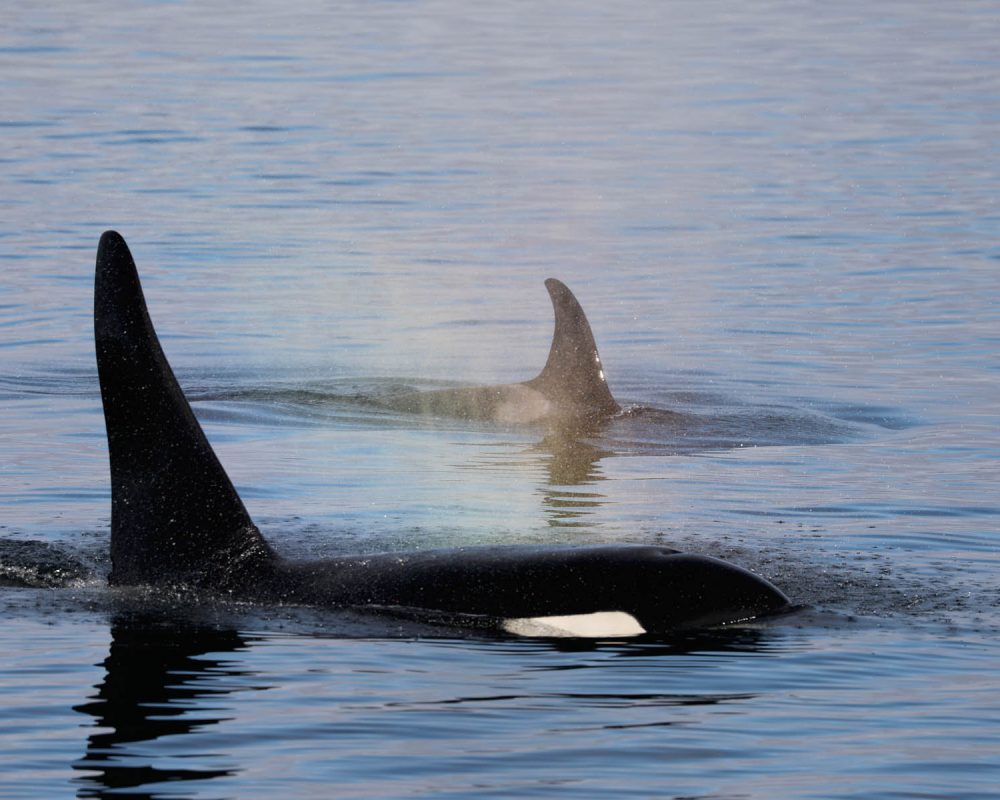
(782, 219)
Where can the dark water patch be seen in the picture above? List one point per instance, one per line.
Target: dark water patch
(784, 334)
(28, 382)
(72, 136)
(271, 128)
(876, 511)
(142, 137)
(596, 700)
(282, 176)
(646, 430)
(26, 343)
(46, 497)
(25, 123)
(888, 417)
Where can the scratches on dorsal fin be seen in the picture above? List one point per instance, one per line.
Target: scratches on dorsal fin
(573, 376)
(175, 515)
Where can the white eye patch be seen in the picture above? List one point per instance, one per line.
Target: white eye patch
(600, 624)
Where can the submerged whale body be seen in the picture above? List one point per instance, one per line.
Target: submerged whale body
(176, 519)
(571, 387)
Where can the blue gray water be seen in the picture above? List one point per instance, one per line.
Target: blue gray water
(782, 219)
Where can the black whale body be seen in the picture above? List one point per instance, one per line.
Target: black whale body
(176, 519)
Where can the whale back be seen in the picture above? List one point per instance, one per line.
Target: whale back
(659, 588)
(573, 377)
(175, 515)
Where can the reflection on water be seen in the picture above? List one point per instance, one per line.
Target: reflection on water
(372, 703)
(760, 638)
(158, 684)
(570, 461)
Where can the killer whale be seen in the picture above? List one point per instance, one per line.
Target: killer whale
(177, 520)
(571, 388)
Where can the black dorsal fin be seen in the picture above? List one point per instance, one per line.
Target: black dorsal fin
(573, 376)
(175, 515)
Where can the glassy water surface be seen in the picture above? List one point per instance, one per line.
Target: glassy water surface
(782, 223)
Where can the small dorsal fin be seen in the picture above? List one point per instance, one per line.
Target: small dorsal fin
(573, 375)
(175, 515)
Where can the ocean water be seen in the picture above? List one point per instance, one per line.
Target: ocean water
(782, 220)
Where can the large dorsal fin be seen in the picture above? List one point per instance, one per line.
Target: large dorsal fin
(175, 515)
(573, 375)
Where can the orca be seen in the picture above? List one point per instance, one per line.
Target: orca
(571, 388)
(177, 521)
